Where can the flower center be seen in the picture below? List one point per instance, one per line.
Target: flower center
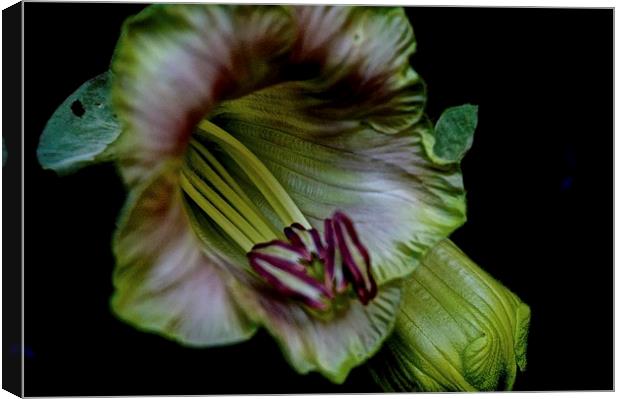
(318, 271)
(297, 262)
(207, 182)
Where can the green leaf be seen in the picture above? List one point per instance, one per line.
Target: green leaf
(458, 329)
(453, 135)
(81, 130)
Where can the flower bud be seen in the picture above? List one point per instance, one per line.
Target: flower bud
(458, 330)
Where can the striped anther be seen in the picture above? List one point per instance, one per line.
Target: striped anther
(286, 277)
(315, 269)
(334, 273)
(310, 239)
(355, 257)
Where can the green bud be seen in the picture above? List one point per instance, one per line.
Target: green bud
(458, 329)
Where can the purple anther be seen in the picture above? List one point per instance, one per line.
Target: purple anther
(307, 238)
(334, 273)
(355, 257)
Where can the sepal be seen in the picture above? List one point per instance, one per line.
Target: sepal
(458, 329)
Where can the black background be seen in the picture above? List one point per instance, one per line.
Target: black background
(539, 181)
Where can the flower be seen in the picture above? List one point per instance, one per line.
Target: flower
(280, 172)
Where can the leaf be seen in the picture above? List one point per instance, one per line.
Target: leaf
(81, 130)
(453, 135)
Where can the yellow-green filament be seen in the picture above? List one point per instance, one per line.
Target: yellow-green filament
(258, 173)
(212, 211)
(224, 207)
(229, 189)
(220, 169)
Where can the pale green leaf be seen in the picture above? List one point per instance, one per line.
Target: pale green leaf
(81, 130)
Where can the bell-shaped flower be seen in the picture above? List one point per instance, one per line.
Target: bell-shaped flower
(279, 173)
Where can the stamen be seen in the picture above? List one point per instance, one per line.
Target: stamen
(284, 250)
(228, 211)
(258, 173)
(285, 276)
(355, 257)
(229, 228)
(318, 272)
(246, 209)
(219, 168)
(301, 237)
(334, 275)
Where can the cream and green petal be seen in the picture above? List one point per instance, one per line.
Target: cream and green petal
(322, 97)
(362, 54)
(173, 63)
(331, 346)
(339, 122)
(165, 281)
(401, 202)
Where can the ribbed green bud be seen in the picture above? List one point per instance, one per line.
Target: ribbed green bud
(458, 329)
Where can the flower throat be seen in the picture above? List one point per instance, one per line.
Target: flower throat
(298, 262)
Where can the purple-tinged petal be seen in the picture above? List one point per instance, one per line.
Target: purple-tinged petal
(331, 346)
(164, 280)
(173, 63)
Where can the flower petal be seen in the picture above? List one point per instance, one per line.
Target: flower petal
(352, 136)
(363, 55)
(164, 282)
(400, 201)
(332, 347)
(82, 129)
(174, 62)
